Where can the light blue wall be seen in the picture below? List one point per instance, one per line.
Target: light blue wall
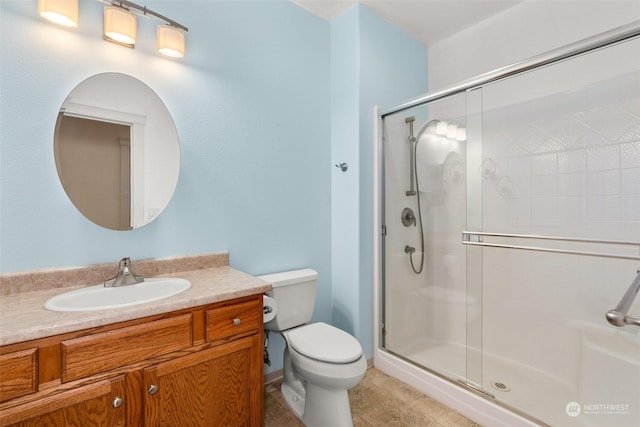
(345, 110)
(257, 102)
(251, 105)
(373, 63)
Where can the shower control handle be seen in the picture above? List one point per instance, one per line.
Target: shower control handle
(408, 217)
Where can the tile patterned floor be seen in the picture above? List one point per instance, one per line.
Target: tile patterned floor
(379, 400)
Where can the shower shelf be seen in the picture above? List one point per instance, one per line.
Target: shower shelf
(466, 240)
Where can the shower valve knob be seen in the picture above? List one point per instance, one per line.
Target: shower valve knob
(408, 217)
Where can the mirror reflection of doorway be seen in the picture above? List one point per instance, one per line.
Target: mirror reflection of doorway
(96, 159)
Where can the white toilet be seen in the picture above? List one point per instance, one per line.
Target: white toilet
(321, 362)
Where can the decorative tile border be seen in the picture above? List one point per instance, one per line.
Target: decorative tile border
(38, 280)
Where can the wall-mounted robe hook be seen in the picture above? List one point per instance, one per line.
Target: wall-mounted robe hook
(343, 166)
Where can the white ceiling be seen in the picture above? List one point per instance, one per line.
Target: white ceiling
(427, 20)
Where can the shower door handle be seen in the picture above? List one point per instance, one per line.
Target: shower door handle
(618, 316)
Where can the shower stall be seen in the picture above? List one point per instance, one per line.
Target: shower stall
(510, 247)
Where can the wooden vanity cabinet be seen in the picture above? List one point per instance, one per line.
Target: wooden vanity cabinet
(217, 386)
(196, 367)
(90, 405)
(18, 371)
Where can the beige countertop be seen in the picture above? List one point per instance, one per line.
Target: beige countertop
(23, 316)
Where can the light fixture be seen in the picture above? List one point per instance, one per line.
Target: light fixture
(120, 23)
(120, 26)
(441, 128)
(171, 41)
(461, 134)
(452, 130)
(63, 12)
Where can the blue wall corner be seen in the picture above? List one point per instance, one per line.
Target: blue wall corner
(373, 63)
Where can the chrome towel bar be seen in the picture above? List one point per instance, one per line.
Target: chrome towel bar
(618, 316)
(466, 240)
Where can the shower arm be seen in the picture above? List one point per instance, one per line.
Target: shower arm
(618, 316)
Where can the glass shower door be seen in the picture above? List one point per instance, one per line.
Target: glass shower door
(427, 307)
(560, 173)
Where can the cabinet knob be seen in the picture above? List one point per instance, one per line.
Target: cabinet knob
(236, 322)
(117, 402)
(153, 389)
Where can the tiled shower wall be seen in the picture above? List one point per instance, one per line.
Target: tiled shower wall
(578, 172)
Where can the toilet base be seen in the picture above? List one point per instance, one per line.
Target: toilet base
(327, 408)
(295, 400)
(319, 407)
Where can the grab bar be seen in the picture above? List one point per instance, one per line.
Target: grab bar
(466, 240)
(618, 316)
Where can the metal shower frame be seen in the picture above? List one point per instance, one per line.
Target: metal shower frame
(589, 44)
(602, 40)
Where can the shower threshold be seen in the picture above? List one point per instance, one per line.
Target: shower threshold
(421, 367)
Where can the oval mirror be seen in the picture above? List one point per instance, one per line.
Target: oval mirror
(117, 151)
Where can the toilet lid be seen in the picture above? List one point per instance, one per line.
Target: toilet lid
(325, 343)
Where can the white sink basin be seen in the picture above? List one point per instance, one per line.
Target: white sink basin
(99, 297)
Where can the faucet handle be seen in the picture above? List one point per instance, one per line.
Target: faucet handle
(125, 276)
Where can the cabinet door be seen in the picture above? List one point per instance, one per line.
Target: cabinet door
(19, 373)
(220, 386)
(92, 405)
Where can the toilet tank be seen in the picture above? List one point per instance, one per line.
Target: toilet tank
(295, 294)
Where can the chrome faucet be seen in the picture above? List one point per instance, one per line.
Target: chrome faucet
(125, 276)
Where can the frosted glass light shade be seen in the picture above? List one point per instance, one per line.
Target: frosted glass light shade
(171, 41)
(441, 127)
(461, 134)
(120, 26)
(63, 12)
(452, 130)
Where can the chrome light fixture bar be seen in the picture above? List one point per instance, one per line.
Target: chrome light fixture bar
(120, 26)
(125, 4)
(120, 23)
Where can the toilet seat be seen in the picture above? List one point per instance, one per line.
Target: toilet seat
(324, 343)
